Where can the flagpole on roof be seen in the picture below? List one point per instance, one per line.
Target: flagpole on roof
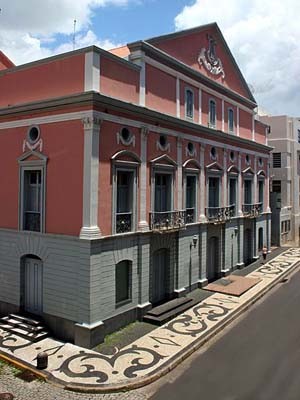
(74, 35)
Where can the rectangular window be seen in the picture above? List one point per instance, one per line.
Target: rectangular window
(163, 198)
(123, 281)
(212, 113)
(190, 201)
(189, 103)
(124, 210)
(232, 194)
(276, 160)
(230, 120)
(213, 192)
(298, 135)
(247, 191)
(32, 200)
(261, 191)
(276, 186)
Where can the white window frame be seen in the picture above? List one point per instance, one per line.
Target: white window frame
(131, 167)
(230, 109)
(186, 90)
(194, 173)
(168, 170)
(32, 165)
(210, 124)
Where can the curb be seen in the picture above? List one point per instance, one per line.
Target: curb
(163, 370)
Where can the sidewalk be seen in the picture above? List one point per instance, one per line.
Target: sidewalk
(154, 354)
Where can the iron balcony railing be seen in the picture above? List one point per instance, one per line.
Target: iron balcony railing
(124, 222)
(162, 221)
(190, 215)
(220, 214)
(252, 210)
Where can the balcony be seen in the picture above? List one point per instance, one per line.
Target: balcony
(165, 221)
(123, 222)
(190, 215)
(220, 214)
(252, 210)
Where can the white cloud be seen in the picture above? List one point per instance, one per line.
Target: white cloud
(28, 26)
(264, 37)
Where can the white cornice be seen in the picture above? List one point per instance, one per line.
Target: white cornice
(123, 121)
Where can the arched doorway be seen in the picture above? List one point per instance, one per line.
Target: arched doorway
(213, 258)
(160, 272)
(248, 241)
(260, 238)
(32, 284)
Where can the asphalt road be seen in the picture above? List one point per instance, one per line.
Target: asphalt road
(258, 359)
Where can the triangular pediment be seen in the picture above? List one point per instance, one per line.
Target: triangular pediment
(191, 163)
(164, 160)
(214, 167)
(248, 171)
(205, 50)
(233, 169)
(126, 156)
(32, 156)
(261, 173)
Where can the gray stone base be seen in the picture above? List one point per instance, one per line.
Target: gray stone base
(240, 265)
(89, 335)
(202, 283)
(6, 308)
(142, 309)
(225, 272)
(180, 292)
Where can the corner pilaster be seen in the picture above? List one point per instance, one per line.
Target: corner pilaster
(90, 229)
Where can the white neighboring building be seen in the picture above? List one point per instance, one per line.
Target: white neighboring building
(285, 174)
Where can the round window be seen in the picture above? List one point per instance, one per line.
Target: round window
(33, 134)
(213, 153)
(126, 134)
(162, 140)
(231, 156)
(191, 147)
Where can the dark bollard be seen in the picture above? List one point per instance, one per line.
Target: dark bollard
(42, 360)
(6, 396)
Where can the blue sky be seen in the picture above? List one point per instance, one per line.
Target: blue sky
(264, 36)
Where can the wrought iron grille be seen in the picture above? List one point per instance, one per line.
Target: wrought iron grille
(123, 222)
(252, 210)
(167, 220)
(220, 214)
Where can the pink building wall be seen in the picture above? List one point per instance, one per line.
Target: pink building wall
(53, 78)
(119, 81)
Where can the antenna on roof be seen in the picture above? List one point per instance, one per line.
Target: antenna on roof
(74, 35)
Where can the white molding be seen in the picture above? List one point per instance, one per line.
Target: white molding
(143, 224)
(200, 106)
(79, 115)
(92, 72)
(195, 83)
(177, 97)
(238, 121)
(253, 127)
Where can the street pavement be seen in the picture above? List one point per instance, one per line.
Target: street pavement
(258, 359)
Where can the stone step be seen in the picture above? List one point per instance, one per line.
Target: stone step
(16, 323)
(25, 327)
(33, 337)
(169, 306)
(26, 320)
(169, 314)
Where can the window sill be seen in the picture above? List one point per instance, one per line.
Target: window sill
(123, 303)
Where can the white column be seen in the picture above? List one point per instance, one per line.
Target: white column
(143, 224)
(224, 179)
(255, 194)
(179, 173)
(267, 187)
(90, 228)
(138, 57)
(238, 121)
(223, 122)
(239, 191)
(200, 106)
(202, 217)
(92, 72)
(177, 97)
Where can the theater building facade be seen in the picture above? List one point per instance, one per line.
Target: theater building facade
(129, 177)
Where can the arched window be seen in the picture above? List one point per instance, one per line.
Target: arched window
(123, 282)
(212, 114)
